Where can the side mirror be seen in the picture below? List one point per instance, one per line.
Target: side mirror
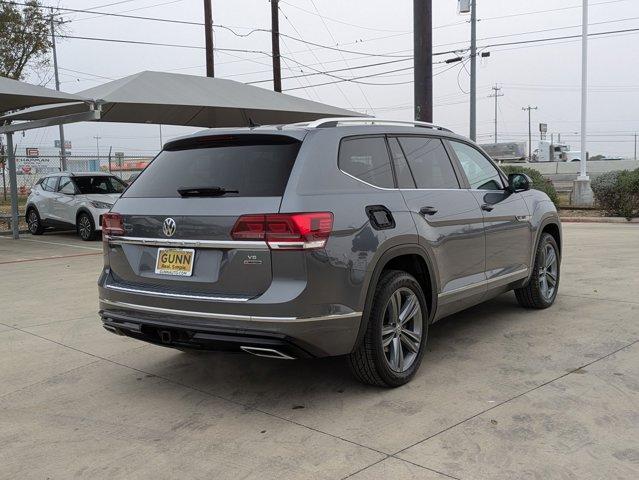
(519, 182)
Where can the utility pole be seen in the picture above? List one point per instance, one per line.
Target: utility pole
(208, 37)
(496, 95)
(530, 109)
(275, 43)
(635, 146)
(473, 70)
(423, 59)
(97, 146)
(63, 152)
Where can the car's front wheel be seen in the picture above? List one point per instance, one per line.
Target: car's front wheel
(541, 290)
(391, 350)
(86, 227)
(34, 223)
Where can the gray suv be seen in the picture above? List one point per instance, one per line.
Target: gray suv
(336, 237)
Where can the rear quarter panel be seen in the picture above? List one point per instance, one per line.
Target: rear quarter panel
(316, 184)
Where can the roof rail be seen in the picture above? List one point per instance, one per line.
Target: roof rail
(336, 121)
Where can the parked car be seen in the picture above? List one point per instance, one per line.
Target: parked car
(335, 237)
(76, 200)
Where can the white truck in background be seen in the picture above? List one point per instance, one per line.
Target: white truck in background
(555, 152)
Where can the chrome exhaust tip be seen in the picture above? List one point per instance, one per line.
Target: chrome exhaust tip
(112, 329)
(266, 352)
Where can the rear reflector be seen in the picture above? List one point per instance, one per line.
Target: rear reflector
(291, 231)
(112, 224)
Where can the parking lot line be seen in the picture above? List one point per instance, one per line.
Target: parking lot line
(55, 257)
(84, 247)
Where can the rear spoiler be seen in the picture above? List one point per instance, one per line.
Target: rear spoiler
(230, 140)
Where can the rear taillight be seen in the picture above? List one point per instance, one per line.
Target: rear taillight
(291, 231)
(112, 224)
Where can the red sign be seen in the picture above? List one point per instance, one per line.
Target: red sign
(26, 169)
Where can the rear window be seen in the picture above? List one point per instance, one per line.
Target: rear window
(255, 167)
(99, 184)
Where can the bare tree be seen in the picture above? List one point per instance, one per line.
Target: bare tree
(25, 32)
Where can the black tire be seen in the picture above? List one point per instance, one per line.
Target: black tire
(369, 362)
(34, 223)
(85, 227)
(533, 295)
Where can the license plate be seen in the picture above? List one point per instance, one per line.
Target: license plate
(175, 261)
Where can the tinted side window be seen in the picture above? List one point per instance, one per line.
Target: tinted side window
(481, 174)
(367, 159)
(66, 186)
(429, 162)
(49, 184)
(402, 170)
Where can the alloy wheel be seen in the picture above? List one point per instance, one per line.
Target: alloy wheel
(84, 227)
(402, 329)
(33, 222)
(548, 271)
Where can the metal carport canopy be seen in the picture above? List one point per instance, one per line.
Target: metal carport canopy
(188, 100)
(151, 97)
(15, 95)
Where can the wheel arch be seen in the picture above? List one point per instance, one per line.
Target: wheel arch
(398, 258)
(30, 206)
(82, 210)
(552, 226)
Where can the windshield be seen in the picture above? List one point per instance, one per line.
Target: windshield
(99, 184)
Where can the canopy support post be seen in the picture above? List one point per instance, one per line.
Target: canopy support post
(13, 184)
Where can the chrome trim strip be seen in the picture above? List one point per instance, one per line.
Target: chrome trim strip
(266, 352)
(215, 298)
(224, 316)
(173, 242)
(508, 276)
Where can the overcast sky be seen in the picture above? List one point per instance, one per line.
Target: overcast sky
(542, 75)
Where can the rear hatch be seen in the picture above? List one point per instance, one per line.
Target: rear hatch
(178, 215)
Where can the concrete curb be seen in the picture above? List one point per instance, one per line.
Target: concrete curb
(597, 220)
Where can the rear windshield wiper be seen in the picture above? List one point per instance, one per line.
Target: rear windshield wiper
(204, 191)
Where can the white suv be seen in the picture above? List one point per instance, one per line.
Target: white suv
(72, 199)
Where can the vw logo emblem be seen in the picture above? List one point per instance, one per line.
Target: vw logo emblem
(168, 227)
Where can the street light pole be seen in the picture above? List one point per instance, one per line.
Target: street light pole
(584, 90)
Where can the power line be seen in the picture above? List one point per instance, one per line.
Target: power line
(356, 79)
(255, 30)
(361, 90)
(323, 17)
(520, 42)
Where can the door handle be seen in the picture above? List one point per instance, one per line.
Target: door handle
(427, 211)
(487, 208)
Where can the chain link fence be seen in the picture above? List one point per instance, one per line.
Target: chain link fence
(30, 169)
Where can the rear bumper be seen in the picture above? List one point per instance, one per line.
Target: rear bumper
(320, 336)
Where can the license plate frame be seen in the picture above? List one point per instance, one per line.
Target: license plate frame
(177, 266)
